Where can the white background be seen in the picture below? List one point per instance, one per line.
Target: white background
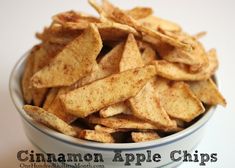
(19, 20)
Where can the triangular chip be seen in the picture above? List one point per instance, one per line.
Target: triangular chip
(72, 63)
(110, 90)
(109, 64)
(148, 55)
(49, 119)
(207, 92)
(146, 105)
(131, 57)
(178, 100)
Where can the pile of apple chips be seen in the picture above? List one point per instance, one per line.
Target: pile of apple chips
(125, 76)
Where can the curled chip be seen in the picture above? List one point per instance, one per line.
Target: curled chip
(49, 119)
(126, 76)
(174, 71)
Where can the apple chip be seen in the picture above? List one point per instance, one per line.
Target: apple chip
(122, 121)
(157, 23)
(144, 136)
(92, 97)
(72, 63)
(207, 92)
(112, 31)
(109, 64)
(140, 12)
(146, 105)
(57, 109)
(70, 18)
(115, 109)
(96, 136)
(174, 71)
(178, 100)
(100, 128)
(126, 121)
(49, 119)
(148, 55)
(49, 98)
(131, 57)
(57, 34)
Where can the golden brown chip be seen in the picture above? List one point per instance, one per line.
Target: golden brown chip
(140, 12)
(41, 59)
(112, 31)
(115, 109)
(57, 109)
(58, 34)
(124, 121)
(72, 63)
(110, 62)
(39, 96)
(73, 17)
(96, 136)
(50, 98)
(157, 23)
(146, 105)
(49, 119)
(28, 73)
(144, 136)
(110, 90)
(131, 57)
(207, 92)
(197, 57)
(178, 100)
(148, 55)
(174, 71)
(100, 128)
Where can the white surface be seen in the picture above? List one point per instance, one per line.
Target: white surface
(19, 20)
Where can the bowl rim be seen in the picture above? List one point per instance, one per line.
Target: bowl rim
(97, 145)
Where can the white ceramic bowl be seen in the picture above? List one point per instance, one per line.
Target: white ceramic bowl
(50, 141)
